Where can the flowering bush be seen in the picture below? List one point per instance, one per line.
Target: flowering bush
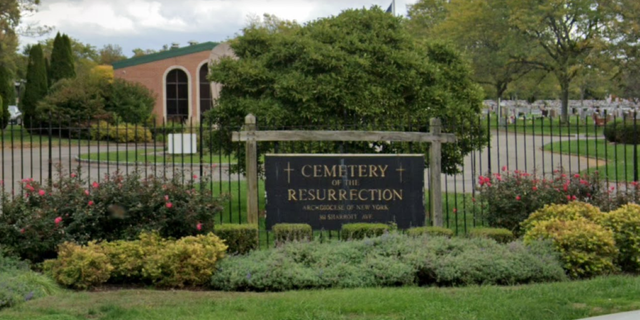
(40, 218)
(509, 197)
(566, 212)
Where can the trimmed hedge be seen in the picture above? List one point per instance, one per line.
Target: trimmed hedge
(625, 224)
(390, 260)
(622, 132)
(432, 231)
(287, 232)
(358, 231)
(240, 238)
(120, 133)
(498, 234)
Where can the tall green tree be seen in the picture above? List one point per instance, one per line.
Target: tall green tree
(7, 95)
(61, 64)
(36, 87)
(360, 68)
(569, 34)
(111, 53)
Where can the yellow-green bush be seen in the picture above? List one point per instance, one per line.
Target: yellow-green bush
(79, 267)
(240, 238)
(287, 232)
(565, 212)
(120, 133)
(189, 261)
(356, 231)
(432, 231)
(625, 224)
(500, 235)
(586, 248)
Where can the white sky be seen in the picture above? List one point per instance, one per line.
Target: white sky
(149, 24)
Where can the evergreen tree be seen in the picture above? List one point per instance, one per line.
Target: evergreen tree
(61, 64)
(7, 93)
(36, 87)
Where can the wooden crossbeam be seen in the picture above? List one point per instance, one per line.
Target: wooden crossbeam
(370, 136)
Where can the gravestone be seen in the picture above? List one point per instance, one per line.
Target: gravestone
(327, 191)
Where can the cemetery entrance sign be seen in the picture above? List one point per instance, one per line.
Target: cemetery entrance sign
(327, 191)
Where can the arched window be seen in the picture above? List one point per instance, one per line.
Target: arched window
(205, 90)
(177, 89)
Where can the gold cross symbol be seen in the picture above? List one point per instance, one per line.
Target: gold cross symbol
(288, 170)
(401, 170)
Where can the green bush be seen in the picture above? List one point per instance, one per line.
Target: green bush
(40, 217)
(19, 284)
(287, 232)
(240, 238)
(357, 231)
(131, 101)
(497, 234)
(189, 261)
(79, 267)
(586, 248)
(622, 132)
(120, 133)
(389, 260)
(169, 128)
(625, 224)
(565, 212)
(432, 231)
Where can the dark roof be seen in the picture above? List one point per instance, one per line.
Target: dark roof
(171, 53)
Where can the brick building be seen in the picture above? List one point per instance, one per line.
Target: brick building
(178, 78)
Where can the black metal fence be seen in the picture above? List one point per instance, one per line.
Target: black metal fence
(530, 144)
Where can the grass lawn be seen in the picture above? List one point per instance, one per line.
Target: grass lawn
(544, 126)
(15, 137)
(558, 301)
(157, 155)
(619, 157)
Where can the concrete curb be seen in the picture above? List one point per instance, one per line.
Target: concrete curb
(633, 315)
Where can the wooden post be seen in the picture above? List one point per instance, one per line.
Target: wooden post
(252, 169)
(435, 171)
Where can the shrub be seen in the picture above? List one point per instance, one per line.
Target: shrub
(79, 267)
(625, 224)
(432, 231)
(565, 212)
(118, 208)
(120, 133)
(240, 238)
(189, 261)
(586, 248)
(357, 231)
(287, 232)
(622, 132)
(169, 128)
(509, 197)
(19, 284)
(131, 101)
(497, 234)
(389, 260)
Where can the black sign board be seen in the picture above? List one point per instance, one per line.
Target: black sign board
(327, 191)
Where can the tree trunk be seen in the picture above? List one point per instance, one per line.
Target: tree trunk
(564, 97)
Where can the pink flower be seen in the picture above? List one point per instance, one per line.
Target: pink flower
(455, 210)
(29, 187)
(199, 226)
(576, 176)
(612, 188)
(518, 198)
(91, 203)
(95, 185)
(574, 198)
(166, 197)
(86, 192)
(195, 176)
(569, 198)
(41, 193)
(58, 220)
(22, 230)
(169, 205)
(635, 183)
(504, 168)
(535, 188)
(73, 175)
